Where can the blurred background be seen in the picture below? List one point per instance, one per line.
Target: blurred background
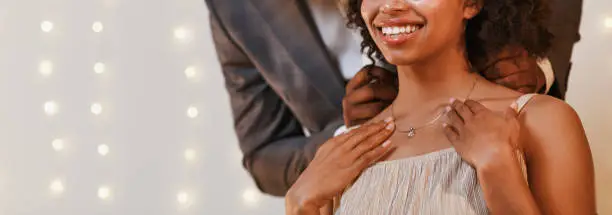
(119, 107)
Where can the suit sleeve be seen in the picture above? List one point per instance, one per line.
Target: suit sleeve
(564, 24)
(275, 148)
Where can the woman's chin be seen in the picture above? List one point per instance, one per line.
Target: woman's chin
(401, 60)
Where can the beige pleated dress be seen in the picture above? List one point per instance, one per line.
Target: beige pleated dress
(435, 183)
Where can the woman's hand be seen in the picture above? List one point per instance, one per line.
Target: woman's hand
(338, 163)
(479, 135)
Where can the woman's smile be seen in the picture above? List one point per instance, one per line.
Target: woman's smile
(397, 31)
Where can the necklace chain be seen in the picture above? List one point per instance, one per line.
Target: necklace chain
(412, 130)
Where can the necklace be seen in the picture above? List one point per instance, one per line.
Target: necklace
(411, 132)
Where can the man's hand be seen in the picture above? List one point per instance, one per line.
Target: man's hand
(367, 94)
(515, 69)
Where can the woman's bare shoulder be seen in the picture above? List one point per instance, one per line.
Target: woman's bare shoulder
(542, 110)
(551, 124)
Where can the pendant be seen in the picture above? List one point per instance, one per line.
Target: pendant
(411, 132)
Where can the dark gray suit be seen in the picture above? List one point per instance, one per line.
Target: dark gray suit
(564, 25)
(280, 78)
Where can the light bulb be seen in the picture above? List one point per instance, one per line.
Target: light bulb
(104, 192)
(96, 108)
(99, 68)
(97, 27)
(103, 149)
(190, 72)
(57, 144)
(56, 186)
(46, 26)
(190, 154)
(608, 22)
(250, 197)
(180, 33)
(51, 108)
(182, 198)
(45, 67)
(192, 112)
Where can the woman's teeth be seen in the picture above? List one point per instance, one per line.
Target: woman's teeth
(397, 30)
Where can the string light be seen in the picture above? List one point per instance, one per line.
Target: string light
(250, 197)
(56, 186)
(103, 149)
(190, 154)
(57, 144)
(104, 192)
(182, 34)
(97, 27)
(190, 72)
(46, 26)
(608, 22)
(99, 68)
(96, 108)
(45, 67)
(183, 198)
(51, 108)
(192, 112)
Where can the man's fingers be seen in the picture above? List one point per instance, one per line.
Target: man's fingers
(370, 93)
(385, 76)
(360, 79)
(363, 112)
(525, 82)
(508, 63)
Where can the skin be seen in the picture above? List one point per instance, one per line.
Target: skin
(368, 93)
(484, 129)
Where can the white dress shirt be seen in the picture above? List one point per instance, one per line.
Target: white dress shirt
(344, 44)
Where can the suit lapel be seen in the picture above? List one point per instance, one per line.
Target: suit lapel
(292, 26)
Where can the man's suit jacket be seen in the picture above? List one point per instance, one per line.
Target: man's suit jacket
(281, 79)
(564, 24)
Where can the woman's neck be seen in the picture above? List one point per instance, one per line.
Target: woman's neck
(444, 76)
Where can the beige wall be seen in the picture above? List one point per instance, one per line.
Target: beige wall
(590, 92)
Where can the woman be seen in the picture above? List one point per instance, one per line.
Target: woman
(457, 144)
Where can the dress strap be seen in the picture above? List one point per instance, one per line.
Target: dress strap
(520, 103)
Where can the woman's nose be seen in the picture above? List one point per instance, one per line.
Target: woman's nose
(391, 6)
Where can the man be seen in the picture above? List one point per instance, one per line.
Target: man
(286, 63)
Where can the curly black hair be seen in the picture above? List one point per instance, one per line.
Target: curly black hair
(500, 23)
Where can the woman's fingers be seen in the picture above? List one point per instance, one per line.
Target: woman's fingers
(454, 119)
(451, 133)
(362, 133)
(376, 140)
(462, 110)
(372, 156)
(475, 106)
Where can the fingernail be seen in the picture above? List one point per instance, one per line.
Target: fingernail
(391, 126)
(386, 143)
(389, 119)
(514, 106)
(452, 100)
(445, 124)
